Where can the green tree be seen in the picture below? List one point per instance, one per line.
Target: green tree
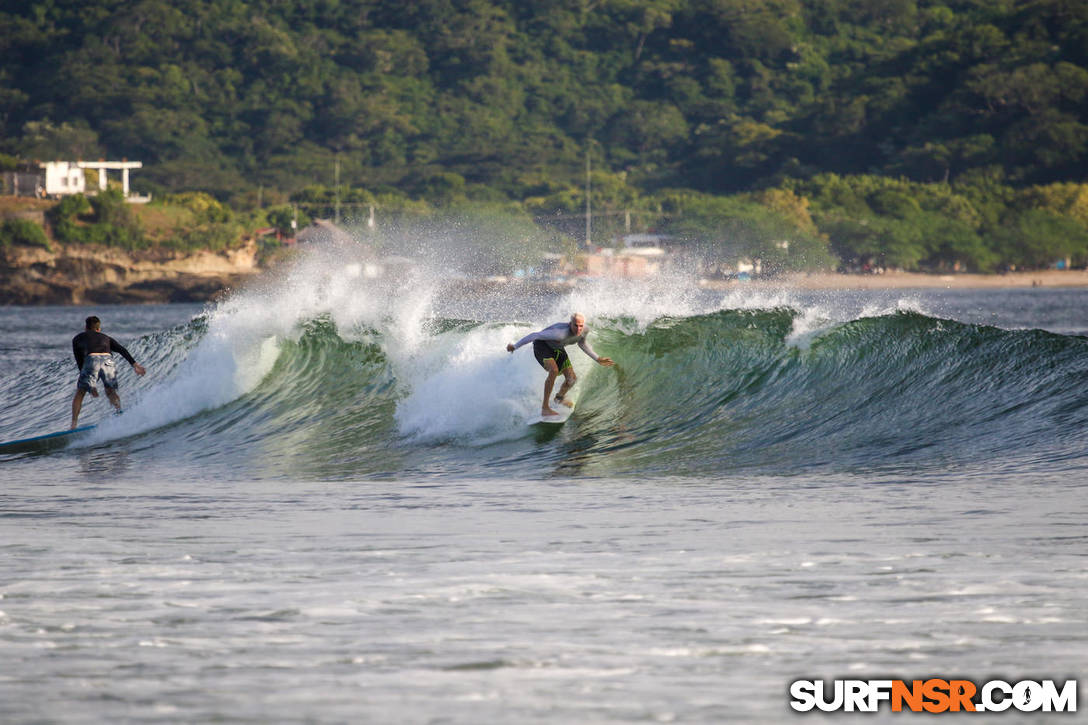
(1037, 238)
(47, 141)
(23, 232)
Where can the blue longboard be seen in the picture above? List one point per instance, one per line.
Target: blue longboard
(45, 442)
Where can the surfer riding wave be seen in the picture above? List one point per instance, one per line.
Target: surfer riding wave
(548, 348)
(93, 353)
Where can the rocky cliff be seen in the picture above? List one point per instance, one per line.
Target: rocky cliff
(76, 275)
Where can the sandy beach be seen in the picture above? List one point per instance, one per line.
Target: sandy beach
(902, 280)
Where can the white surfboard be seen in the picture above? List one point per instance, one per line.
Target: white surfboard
(564, 415)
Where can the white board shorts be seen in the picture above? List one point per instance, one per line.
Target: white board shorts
(95, 368)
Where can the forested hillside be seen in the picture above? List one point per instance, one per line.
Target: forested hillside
(493, 99)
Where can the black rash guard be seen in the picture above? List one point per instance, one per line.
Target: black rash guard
(89, 341)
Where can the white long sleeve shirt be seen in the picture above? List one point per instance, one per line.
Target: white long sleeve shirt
(559, 335)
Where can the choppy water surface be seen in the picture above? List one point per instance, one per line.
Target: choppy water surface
(323, 504)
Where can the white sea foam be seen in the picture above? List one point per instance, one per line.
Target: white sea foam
(238, 350)
(455, 385)
(466, 385)
(244, 337)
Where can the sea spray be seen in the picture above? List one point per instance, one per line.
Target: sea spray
(325, 370)
(237, 350)
(466, 387)
(242, 339)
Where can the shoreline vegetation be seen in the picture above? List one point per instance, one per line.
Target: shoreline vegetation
(191, 248)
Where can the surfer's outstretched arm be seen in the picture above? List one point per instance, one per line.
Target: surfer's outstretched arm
(588, 350)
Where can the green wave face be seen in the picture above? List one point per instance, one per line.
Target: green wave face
(728, 392)
(700, 396)
(707, 395)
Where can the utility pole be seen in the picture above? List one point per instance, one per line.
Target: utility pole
(589, 213)
(337, 175)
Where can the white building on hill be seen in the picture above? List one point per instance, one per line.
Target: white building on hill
(63, 178)
(52, 179)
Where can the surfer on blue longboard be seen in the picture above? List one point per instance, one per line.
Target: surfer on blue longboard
(93, 351)
(548, 349)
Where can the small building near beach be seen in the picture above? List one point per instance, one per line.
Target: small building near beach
(61, 178)
(635, 256)
(54, 179)
(324, 231)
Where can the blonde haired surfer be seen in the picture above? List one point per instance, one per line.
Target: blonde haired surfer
(548, 349)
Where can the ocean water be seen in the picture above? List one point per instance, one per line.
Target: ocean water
(324, 504)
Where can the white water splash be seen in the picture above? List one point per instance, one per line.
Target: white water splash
(466, 386)
(453, 385)
(244, 337)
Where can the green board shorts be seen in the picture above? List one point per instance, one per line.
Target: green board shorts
(543, 351)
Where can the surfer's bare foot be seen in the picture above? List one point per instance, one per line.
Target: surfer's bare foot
(547, 413)
(564, 401)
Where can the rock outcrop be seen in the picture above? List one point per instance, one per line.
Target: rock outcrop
(76, 275)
